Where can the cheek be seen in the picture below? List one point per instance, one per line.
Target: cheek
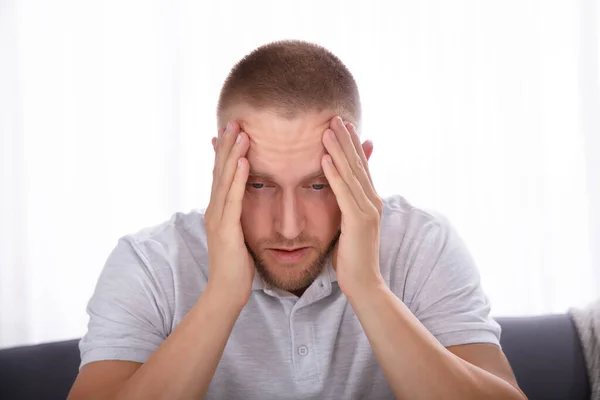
(255, 217)
(320, 209)
(326, 217)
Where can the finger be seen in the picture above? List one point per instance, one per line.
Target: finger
(232, 211)
(355, 155)
(345, 140)
(222, 184)
(359, 148)
(343, 194)
(368, 182)
(223, 147)
(345, 171)
(215, 144)
(215, 140)
(224, 144)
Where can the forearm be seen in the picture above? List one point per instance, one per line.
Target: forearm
(415, 364)
(183, 366)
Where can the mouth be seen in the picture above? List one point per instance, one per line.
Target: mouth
(288, 255)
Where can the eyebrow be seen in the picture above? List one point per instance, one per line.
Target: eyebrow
(257, 174)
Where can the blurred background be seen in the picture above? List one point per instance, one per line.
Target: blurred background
(486, 111)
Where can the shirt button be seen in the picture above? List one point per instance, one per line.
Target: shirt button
(303, 350)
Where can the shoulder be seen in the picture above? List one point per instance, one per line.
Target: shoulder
(171, 239)
(168, 256)
(432, 271)
(401, 221)
(413, 243)
(147, 285)
(179, 226)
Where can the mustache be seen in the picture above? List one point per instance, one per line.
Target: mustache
(278, 240)
(310, 271)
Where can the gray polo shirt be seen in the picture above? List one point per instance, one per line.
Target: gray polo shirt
(282, 346)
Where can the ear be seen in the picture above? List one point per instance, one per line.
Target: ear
(214, 140)
(367, 148)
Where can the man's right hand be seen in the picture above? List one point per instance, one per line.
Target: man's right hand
(231, 268)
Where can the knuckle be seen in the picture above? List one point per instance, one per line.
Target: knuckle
(348, 175)
(209, 224)
(229, 202)
(371, 216)
(221, 233)
(359, 164)
(379, 205)
(218, 236)
(374, 217)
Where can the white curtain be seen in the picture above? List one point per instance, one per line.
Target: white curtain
(107, 110)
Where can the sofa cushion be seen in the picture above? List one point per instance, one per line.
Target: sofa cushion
(544, 352)
(546, 356)
(44, 371)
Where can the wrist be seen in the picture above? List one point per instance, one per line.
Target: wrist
(369, 301)
(366, 289)
(226, 297)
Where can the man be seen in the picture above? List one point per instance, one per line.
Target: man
(298, 281)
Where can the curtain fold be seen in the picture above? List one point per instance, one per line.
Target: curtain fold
(485, 112)
(590, 91)
(14, 323)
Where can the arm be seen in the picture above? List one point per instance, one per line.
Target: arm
(445, 315)
(448, 302)
(181, 368)
(128, 322)
(417, 366)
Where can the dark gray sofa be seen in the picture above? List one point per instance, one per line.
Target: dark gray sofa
(545, 354)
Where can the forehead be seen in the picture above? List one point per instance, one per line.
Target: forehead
(287, 149)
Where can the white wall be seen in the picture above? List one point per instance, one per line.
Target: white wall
(107, 111)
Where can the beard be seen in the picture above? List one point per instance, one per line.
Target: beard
(297, 277)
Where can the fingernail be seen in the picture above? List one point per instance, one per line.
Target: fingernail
(238, 139)
(229, 126)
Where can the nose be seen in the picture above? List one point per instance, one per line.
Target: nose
(290, 218)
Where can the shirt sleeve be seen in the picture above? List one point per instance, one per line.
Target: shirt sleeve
(127, 317)
(447, 296)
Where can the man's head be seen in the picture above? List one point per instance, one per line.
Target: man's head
(284, 95)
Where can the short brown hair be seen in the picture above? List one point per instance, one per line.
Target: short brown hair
(292, 76)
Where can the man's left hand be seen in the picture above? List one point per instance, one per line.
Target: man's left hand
(356, 256)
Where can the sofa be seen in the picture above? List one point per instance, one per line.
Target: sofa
(545, 354)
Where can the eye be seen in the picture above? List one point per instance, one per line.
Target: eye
(256, 185)
(319, 186)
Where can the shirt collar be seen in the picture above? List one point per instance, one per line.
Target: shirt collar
(257, 282)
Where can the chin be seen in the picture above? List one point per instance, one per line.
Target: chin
(290, 272)
(290, 277)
